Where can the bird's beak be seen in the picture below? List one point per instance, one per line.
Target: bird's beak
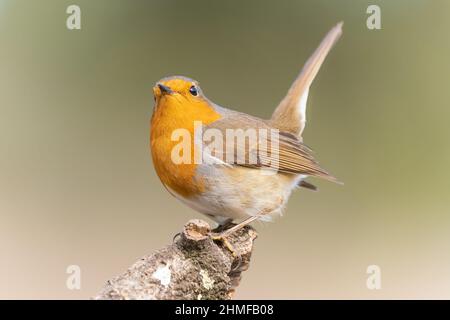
(164, 89)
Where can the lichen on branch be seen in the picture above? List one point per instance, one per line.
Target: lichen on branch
(193, 267)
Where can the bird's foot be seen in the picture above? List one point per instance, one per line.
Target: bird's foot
(223, 233)
(223, 239)
(220, 237)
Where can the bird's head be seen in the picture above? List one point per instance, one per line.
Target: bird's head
(178, 89)
(179, 99)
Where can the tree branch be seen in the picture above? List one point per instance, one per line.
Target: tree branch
(193, 267)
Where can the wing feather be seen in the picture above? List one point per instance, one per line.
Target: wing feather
(277, 150)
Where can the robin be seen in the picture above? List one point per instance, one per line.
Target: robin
(228, 190)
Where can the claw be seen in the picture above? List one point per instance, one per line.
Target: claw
(175, 237)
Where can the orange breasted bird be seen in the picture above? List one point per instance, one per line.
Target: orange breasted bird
(228, 191)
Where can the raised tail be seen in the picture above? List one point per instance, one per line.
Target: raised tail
(290, 113)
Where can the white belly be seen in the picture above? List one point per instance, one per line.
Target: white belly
(240, 192)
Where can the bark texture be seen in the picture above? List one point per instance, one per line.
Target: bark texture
(194, 266)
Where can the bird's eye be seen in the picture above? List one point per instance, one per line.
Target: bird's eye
(194, 91)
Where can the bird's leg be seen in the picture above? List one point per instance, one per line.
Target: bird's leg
(224, 225)
(238, 226)
(222, 231)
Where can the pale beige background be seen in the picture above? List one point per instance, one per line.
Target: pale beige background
(76, 181)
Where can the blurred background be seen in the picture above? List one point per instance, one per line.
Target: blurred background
(77, 186)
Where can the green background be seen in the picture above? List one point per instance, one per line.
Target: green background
(77, 184)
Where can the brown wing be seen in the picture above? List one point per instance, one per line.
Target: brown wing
(272, 149)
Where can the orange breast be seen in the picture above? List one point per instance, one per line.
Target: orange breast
(172, 113)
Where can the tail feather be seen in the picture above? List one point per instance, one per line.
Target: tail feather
(290, 113)
(307, 185)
